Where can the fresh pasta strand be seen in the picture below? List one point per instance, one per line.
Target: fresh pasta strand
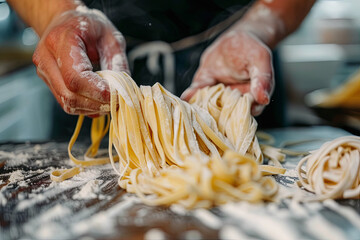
(179, 153)
(170, 151)
(333, 171)
(63, 174)
(231, 112)
(98, 130)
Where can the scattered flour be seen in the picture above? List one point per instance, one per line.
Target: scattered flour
(178, 209)
(89, 190)
(346, 212)
(38, 147)
(323, 229)
(51, 231)
(103, 222)
(16, 176)
(33, 199)
(57, 212)
(86, 175)
(3, 199)
(256, 219)
(23, 184)
(208, 218)
(45, 226)
(291, 173)
(192, 235)
(14, 159)
(154, 234)
(230, 232)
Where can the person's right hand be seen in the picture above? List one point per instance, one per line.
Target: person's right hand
(72, 47)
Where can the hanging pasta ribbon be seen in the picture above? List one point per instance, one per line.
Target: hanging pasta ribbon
(179, 152)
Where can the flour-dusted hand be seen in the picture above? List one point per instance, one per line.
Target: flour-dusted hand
(239, 60)
(73, 46)
(241, 56)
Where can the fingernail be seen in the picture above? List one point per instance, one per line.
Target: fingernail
(185, 93)
(266, 99)
(257, 110)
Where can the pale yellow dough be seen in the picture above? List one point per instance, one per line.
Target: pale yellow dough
(170, 151)
(333, 171)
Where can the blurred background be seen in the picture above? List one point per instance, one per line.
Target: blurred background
(323, 53)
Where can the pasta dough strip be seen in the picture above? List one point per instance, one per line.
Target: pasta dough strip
(333, 171)
(170, 151)
(63, 174)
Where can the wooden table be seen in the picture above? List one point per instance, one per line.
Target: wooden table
(92, 205)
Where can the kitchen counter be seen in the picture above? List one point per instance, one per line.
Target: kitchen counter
(91, 204)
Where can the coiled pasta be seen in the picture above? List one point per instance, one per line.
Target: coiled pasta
(333, 171)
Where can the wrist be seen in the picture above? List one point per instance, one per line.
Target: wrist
(42, 21)
(264, 24)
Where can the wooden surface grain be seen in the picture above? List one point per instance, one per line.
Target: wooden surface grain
(31, 206)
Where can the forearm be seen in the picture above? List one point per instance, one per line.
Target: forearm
(272, 21)
(39, 13)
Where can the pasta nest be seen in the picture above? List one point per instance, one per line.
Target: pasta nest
(332, 171)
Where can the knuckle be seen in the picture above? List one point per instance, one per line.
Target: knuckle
(119, 39)
(265, 52)
(51, 38)
(36, 57)
(69, 103)
(71, 82)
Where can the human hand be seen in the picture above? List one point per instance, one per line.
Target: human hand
(73, 46)
(240, 60)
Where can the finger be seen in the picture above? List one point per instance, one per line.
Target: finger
(261, 75)
(256, 109)
(242, 87)
(112, 52)
(69, 110)
(71, 103)
(188, 93)
(202, 78)
(76, 69)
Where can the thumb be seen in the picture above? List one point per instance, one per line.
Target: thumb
(188, 93)
(112, 52)
(260, 89)
(262, 81)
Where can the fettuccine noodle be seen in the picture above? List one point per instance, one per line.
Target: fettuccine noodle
(170, 151)
(333, 171)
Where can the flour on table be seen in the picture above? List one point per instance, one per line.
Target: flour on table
(178, 209)
(33, 199)
(155, 234)
(89, 190)
(345, 212)
(192, 235)
(208, 218)
(16, 176)
(232, 232)
(103, 222)
(14, 159)
(323, 229)
(290, 173)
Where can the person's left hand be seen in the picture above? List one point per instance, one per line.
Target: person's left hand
(240, 60)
